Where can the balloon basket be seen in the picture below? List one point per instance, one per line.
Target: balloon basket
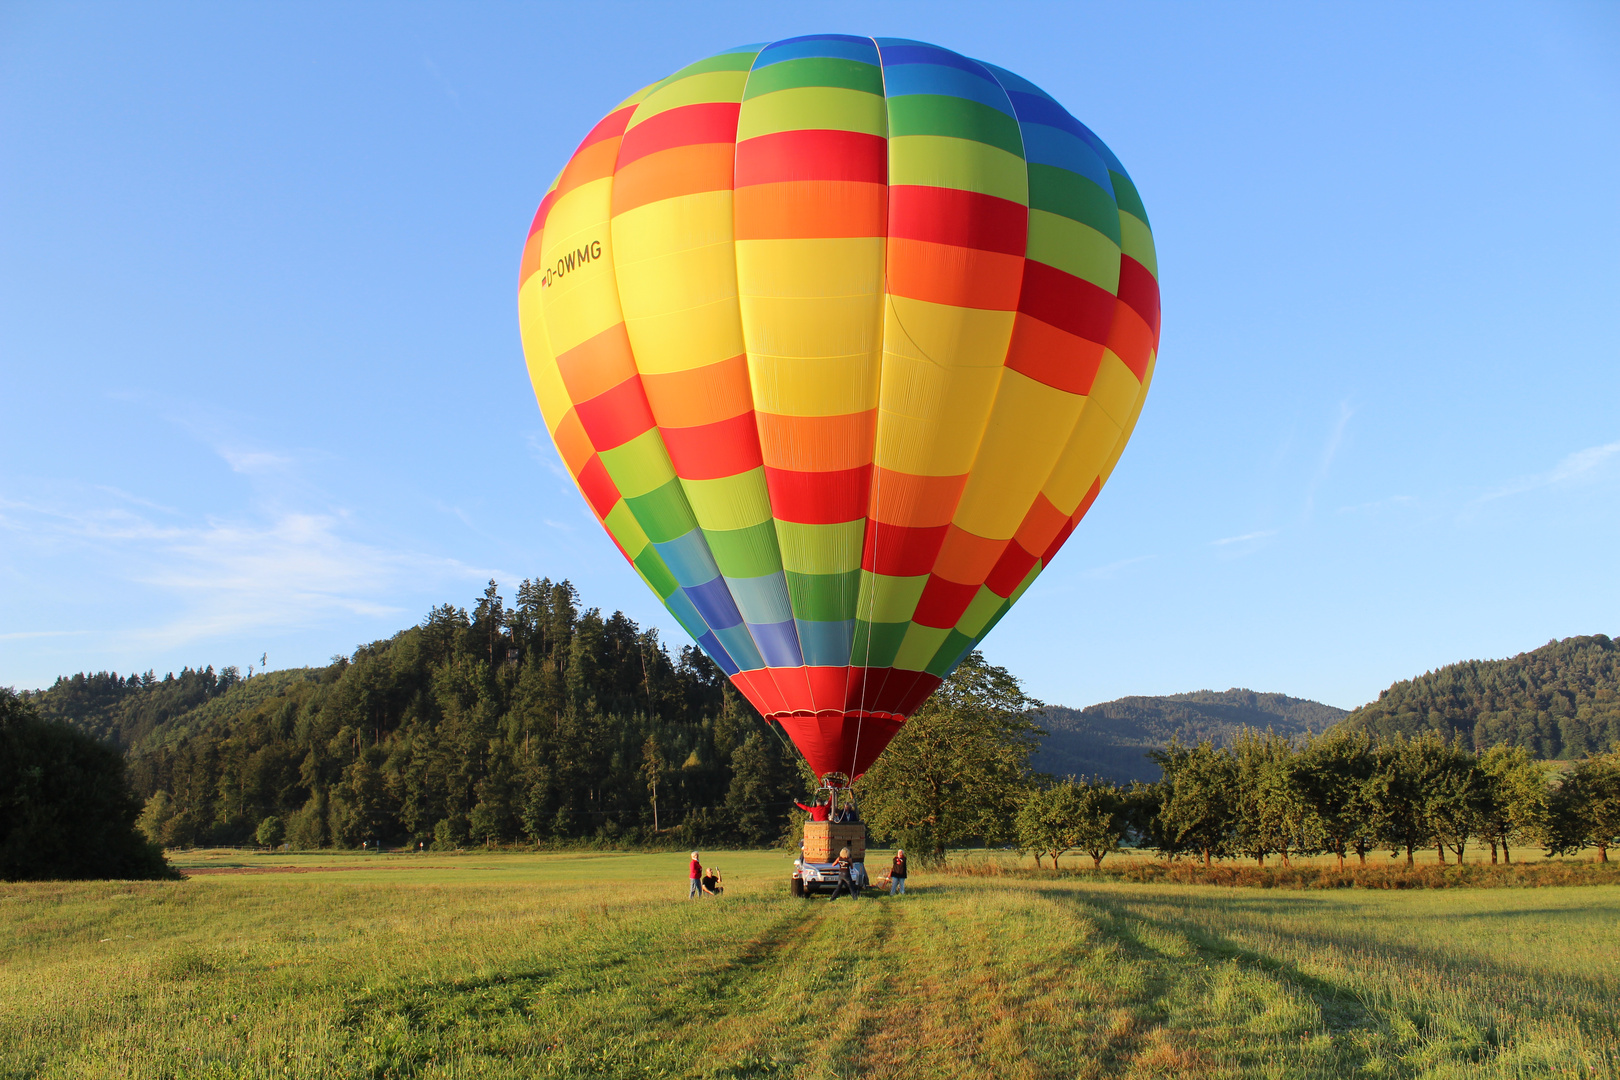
(824, 839)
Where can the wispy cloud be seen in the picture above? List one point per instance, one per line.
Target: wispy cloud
(27, 635)
(1329, 452)
(251, 462)
(1576, 468)
(1112, 570)
(1244, 539)
(1378, 504)
(225, 576)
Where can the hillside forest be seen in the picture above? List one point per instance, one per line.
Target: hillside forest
(537, 721)
(546, 722)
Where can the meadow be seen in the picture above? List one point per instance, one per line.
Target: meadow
(595, 964)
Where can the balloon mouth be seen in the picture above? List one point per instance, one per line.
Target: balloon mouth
(847, 714)
(839, 741)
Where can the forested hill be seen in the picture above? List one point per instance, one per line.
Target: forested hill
(539, 720)
(1559, 701)
(1113, 739)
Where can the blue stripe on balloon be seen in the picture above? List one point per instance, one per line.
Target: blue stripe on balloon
(778, 643)
(689, 559)
(740, 646)
(904, 51)
(826, 644)
(685, 614)
(840, 46)
(937, 79)
(714, 603)
(1048, 146)
(762, 599)
(717, 652)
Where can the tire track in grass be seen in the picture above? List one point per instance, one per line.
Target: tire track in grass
(1202, 972)
(994, 985)
(805, 1009)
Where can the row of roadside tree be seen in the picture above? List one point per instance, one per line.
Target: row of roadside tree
(1342, 793)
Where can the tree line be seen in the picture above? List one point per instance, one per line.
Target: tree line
(545, 722)
(1343, 793)
(1559, 701)
(537, 722)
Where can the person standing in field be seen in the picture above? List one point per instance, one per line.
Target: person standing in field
(897, 874)
(843, 863)
(695, 872)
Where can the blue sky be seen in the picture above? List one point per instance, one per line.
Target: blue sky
(264, 393)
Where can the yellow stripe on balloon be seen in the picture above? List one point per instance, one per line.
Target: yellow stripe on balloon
(1028, 430)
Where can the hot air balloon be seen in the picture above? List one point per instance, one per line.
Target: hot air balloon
(839, 338)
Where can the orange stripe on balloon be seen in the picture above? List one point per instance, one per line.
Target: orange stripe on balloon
(810, 208)
(966, 557)
(701, 395)
(597, 364)
(1040, 525)
(572, 442)
(592, 163)
(1057, 358)
(685, 170)
(921, 501)
(957, 276)
(1131, 340)
(818, 443)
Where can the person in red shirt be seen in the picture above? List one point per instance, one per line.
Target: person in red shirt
(818, 812)
(695, 872)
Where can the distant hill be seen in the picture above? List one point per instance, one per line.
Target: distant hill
(1112, 740)
(1559, 701)
(140, 712)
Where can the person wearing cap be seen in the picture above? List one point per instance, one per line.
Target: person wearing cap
(695, 872)
(897, 874)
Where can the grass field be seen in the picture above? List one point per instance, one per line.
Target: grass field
(509, 965)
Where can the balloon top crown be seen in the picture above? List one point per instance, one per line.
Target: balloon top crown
(840, 337)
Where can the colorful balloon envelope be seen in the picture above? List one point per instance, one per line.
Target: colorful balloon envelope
(840, 337)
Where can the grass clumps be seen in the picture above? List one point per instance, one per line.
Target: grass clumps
(1543, 874)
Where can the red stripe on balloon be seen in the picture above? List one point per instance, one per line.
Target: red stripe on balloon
(819, 498)
(614, 418)
(610, 125)
(901, 550)
(711, 451)
(1070, 303)
(1140, 289)
(943, 602)
(686, 125)
(961, 218)
(1009, 570)
(598, 487)
(813, 155)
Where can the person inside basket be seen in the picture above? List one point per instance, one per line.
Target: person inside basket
(817, 812)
